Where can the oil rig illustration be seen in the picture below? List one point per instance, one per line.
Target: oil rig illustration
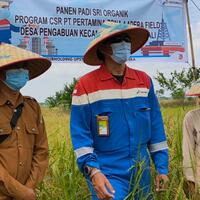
(163, 46)
(42, 46)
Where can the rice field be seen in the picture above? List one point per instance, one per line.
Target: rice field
(63, 180)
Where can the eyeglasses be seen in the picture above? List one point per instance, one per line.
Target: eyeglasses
(118, 39)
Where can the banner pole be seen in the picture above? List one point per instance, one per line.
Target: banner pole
(191, 42)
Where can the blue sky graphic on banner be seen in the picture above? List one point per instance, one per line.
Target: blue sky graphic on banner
(62, 29)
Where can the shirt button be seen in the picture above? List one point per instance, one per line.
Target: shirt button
(8, 103)
(20, 146)
(15, 110)
(21, 164)
(18, 128)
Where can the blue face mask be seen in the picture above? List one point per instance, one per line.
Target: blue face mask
(4, 13)
(16, 78)
(121, 51)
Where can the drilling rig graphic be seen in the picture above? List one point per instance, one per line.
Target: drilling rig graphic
(163, 46)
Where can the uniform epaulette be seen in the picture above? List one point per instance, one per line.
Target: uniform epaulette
(32, 102)
(30, 98)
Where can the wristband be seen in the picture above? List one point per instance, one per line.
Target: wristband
(94, 172)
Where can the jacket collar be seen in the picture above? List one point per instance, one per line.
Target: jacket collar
(9, 96)
(106, 75)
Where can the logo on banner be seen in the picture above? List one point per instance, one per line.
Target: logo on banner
(163, 45)
(6, 28)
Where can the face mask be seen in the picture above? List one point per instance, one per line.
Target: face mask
(16, 78)
(4, 13)
(121, 51)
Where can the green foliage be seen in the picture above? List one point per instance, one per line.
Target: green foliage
(63, 181)
(62, 98)
(160, 93)
(178, 81)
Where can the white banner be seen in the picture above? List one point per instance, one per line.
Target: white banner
(61, 30)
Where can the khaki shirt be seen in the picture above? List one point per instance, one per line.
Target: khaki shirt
(191, 146)
(24, 153)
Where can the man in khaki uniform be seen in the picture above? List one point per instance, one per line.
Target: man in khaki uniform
(191, 146)
(23, 140)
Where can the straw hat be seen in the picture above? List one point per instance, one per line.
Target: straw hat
(138, 36)
(5, 2)
(10, 55)
(195, 89)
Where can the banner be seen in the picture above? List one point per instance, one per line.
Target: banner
(62, 29)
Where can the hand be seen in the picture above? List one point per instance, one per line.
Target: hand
(30, 194)
(161, 182)
(102, 187)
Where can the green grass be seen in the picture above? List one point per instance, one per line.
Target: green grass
(63, 180)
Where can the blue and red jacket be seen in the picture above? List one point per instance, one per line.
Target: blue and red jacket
(135, 123)
(5, 30)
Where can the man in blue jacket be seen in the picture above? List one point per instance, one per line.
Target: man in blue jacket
(116, 120)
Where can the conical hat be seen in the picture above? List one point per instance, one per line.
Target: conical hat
(5, 2)
(9, 1)
(194, 90)
(10, 55)
(138, 36)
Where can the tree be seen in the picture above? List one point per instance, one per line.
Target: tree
(51, 102)
(178, 81)
(62, 98)
(160, 93)
(67, 93)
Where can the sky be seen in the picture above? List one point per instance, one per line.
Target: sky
(61, 73)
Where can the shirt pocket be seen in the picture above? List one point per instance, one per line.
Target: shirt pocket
(112, 141)
(142, 116)
(5, 134)
(104, 112)
(31, 133)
